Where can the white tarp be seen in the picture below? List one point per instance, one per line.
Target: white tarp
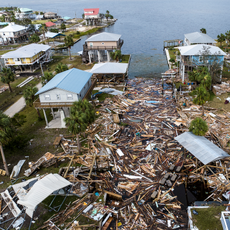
(41, 190)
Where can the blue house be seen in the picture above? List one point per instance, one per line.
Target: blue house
(64, 89)
(199, 55)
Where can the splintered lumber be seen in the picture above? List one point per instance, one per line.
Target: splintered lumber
(116, 118)
(57, 141)
(68, 167)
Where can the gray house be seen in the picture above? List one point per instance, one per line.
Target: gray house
(198, 38)
(62, 90)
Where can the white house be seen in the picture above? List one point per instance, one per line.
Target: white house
(62, 90)
(199, 55)
(92, 16)
(13, 33)
(29, 56)
(25, 13)
(198, 38)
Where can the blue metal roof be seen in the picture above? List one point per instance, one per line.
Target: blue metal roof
(72, 80)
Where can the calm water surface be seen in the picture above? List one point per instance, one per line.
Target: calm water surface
(145, 24)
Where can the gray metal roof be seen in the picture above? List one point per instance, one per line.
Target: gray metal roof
(203, 149)
(72, 80)
(26, 51)
(199, 49)
(199, 38)
(104, 37)
(110, 68)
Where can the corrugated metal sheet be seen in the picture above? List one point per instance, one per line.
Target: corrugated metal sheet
(197, 49)
(109, 68)
(198, 37)
(203, 149)
(104, 37)
(72, 80)
(42, 189)
(26, 51)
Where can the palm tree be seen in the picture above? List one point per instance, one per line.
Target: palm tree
(198, 126)
(221, 38)
(82, 114)
(6, 133)
(63, 27)
(46, 78)
(7, 76)
(29, 95)
(69, 42)
(107, 15)
(116, 55)
(202, 96)
(43, 29)
(61, 67)
(203, 30)
(34, 38)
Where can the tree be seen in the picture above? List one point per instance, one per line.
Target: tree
(31, 28)
(116, 55)
(34, 38)
(202, 96)
(7, 132)
(36, 12)
(69, 42)
(82, 114)
(7, 76)
(111, 16)
(46, 78)
(221, 38)
(198, 126)
(83, 16)
(61, 67)
(29, 95)
(107, 15)
(63, 27)
(3, 18)
(43, 29)
(54, 30)
(203, 30)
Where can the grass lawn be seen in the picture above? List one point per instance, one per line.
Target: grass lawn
(217, 102)
(7, 98)
(76, 62)
(172, 53)
(208, 218)
(43, 21)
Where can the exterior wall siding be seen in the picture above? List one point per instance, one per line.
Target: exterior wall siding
(99, 44)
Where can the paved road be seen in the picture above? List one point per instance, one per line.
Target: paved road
(18, 105)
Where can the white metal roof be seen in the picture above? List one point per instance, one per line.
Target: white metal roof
(110, 68)
(199, 38)
(203, 149)
(104, 37)
(12, 27)
(26, 51)
(52, 34)
(198, 49)
(41, 190)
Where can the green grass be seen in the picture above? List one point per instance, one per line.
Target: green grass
(208, 218)
(43, 21)
(7, 98)
(125, 58)
(172, 53)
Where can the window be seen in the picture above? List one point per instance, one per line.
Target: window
(58, 97)
(200, 59)
(17, 59)
(69, 97)
(47, 97)
(91, 44)
(102, 43)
